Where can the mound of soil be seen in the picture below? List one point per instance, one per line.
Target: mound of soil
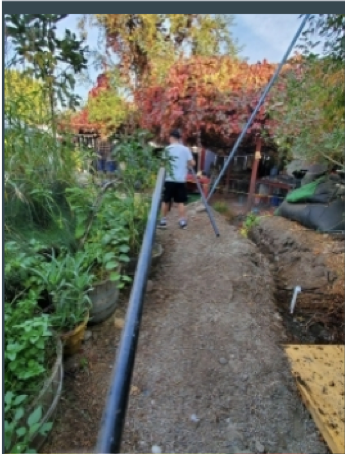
(313, 261)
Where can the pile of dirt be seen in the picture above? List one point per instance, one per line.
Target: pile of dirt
(313, 261)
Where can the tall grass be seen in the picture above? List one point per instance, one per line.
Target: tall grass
(38, 167)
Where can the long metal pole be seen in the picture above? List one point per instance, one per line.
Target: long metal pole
(207, 207)
(255, 111)
(109, 439)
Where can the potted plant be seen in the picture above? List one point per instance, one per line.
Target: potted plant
(68, 283)
(105, 246)
(107, 251)
(106, 266)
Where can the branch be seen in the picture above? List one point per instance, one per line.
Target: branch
(331, 159)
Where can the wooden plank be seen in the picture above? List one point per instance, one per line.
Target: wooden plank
(319, 372)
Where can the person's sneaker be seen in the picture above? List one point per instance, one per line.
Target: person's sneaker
(183, 224)
(162, 224)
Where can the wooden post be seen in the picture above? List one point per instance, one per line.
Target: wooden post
(227, 184)
(256, 161)
(202, 159)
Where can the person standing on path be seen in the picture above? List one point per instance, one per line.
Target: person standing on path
(175, 189)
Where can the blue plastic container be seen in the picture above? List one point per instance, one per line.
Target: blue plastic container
(110, 166)
(275, 201)
(101, 165)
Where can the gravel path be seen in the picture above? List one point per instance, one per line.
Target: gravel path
(210, 373)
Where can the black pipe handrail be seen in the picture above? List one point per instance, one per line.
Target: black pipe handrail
(109, 439)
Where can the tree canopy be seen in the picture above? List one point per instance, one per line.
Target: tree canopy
(210, 98)
(46, 57)
(105, 111)
(310, 113)
(147, 44)
(24, 98)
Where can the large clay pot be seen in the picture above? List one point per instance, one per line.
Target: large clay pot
(104, 298)
(157, 252)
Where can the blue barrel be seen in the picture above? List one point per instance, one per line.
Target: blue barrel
(101, 165)
(110, 166)
(275, 201)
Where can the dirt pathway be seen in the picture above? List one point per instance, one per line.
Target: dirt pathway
(210, 372)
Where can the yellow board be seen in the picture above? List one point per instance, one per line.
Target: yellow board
(319, 372)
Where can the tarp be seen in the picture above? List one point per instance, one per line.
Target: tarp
(322, 217)
(319, 371)
(304, 193)
(318, 191)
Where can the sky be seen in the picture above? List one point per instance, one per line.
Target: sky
(264, 36)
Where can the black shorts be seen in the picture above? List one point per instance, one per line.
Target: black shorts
(176, 192)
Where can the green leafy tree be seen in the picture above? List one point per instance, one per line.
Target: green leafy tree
(330, 28)
(106, 104)
(39, 164)
(309, 113)
(24, 98)
(46, 57)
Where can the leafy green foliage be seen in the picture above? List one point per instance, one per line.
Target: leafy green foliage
(220, 207)
(28, 354)
(18, 431)
(26, 344)
(309, 113)
(67, 280)
(19, 265)
(61, 282)
(251, 221)
(49, 59)
(141, 164)
(329, 27)
(103, 242)
(106, 105)
(24, 98)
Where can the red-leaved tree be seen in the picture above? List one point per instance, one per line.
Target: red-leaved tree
(210, 99)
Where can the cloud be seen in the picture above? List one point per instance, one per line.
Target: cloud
(274, 30)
